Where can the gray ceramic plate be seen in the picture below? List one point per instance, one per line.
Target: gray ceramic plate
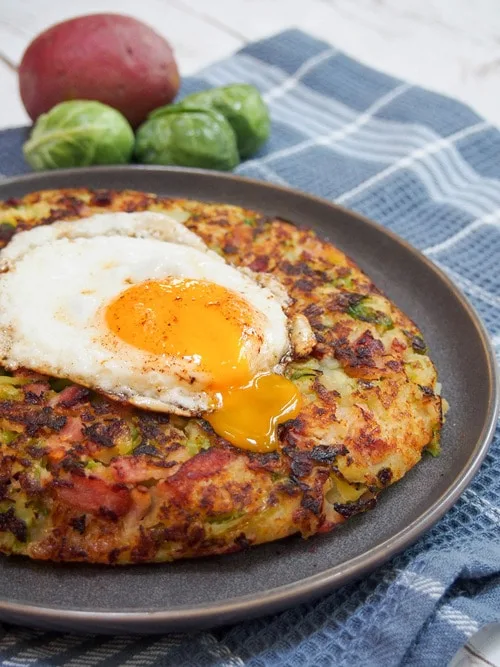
(226, 589)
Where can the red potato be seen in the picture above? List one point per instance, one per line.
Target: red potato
(110, 58)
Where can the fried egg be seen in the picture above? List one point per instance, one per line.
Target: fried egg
(136, 306)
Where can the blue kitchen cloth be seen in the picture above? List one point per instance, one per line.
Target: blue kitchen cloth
(428, 168)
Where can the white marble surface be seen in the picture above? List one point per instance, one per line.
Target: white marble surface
(451, 46)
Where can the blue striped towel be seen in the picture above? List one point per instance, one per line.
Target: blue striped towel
(428, 168)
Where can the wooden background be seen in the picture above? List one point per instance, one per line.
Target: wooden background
(451, 46)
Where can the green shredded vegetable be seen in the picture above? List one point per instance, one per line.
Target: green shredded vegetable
(225, 518)
(197, 439)
(304, 373)
(14, 381)
(135, 436)
(6, 437)
(10, 393)
(363, 312)
(434, 446)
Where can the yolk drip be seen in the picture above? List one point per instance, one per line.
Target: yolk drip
(187, 318)
(202, 320)
(250, 415)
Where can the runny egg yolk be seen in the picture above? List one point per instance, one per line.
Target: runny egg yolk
(187, 318)
(249, 415)
(197, 318)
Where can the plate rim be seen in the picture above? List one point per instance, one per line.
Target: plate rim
(204, 615)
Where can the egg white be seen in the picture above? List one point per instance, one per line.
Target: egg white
(57, 281)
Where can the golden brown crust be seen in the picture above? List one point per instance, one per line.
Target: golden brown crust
(86, 478)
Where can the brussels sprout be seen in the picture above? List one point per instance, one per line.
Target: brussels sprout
(188, 138)
(79, 133)
(242, 106)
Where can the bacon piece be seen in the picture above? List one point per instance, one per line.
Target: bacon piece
(72, 430)
(137, 469)
(89, 494)
(36, 388)
(204, 465)
(362, 358)
(57, 444)
(71, 396)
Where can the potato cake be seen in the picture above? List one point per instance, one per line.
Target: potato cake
(88, 478)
